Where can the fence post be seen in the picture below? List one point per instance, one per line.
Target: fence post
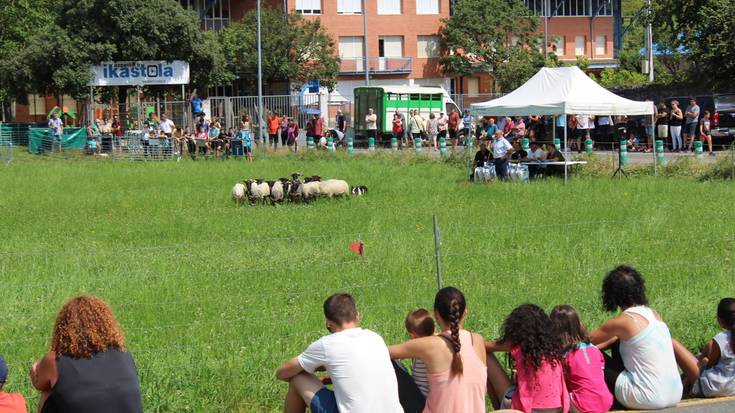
(437, 253)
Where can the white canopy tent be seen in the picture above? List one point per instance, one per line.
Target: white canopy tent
(562, 91)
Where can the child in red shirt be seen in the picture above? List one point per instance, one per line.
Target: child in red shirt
(9, 402)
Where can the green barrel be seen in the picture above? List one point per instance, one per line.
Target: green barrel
(588, 145)
(525, 144)
(350, 146)
(698, 150)
(371, 144)
(310, 142)
(623, 152)
(330, 144)
(417, 145)
(660, 158)
(443, 147)
(557, 143)
(394, 144)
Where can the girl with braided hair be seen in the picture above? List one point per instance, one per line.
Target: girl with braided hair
(455, 358)
(537, 355)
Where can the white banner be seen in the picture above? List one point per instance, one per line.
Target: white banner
(148, 72)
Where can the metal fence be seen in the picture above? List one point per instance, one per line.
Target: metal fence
(230, 110)
(6, 144)
(136, 112)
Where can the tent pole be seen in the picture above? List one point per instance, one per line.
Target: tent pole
(653, 138)
(566, 152)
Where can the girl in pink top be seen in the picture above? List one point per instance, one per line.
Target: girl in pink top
(455, 359)
(584, 363)
(537, 355)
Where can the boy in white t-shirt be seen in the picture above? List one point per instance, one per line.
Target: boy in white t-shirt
(357, 361)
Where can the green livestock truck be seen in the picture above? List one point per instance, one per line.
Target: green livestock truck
(385, 100)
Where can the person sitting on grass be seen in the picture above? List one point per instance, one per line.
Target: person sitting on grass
(583, 363)
(717, 362)
(455, 358)
(9, 402)
(357, 361)
(419, 323)
(537, 356)
(88, 368)
(641, 371)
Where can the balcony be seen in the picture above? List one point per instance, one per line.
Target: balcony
(376, 65)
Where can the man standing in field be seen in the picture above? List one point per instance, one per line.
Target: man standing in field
(274, 124)
(357, 361)
(56, 127)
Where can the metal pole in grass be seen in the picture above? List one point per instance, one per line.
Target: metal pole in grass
(437, 253)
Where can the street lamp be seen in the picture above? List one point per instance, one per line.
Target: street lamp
(260, 81)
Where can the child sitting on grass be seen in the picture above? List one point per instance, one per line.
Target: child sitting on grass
(584, 364)
(717, 362)
(419, 323)
(537, 357)
(9, 402)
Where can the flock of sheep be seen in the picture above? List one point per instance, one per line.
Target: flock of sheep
(295, 189)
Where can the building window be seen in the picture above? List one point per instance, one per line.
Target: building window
(579, 46)
(37, 105)
(428, 46)
(427, 6)
(390, 46)
(349, 6)
(600, 43)
(350, 52)
(559, 46)
(309, 6)
(586, 8)
(389, 6)
(473, 86)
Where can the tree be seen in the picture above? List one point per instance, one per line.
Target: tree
(87, 32)
(502, 42)
(18, 19)
(704, 31)
(294, 49)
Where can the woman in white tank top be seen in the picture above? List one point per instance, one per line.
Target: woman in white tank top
(642, 372)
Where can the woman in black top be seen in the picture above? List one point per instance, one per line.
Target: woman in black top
(88, 369)
(676, 118)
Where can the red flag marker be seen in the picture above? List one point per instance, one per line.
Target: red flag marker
(358, 247)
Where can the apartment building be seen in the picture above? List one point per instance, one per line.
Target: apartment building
(402, 42)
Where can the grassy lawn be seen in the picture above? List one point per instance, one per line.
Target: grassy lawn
(213, 297)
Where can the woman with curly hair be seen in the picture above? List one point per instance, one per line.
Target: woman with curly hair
(455, 359)
(88, 368)
(536, 352)
(642, 372)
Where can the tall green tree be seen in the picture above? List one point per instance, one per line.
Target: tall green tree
(491, 35)
(294, 49)
(703, 30)
(18, 20)
(86, 32)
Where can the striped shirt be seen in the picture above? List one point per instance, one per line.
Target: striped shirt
(419, 376)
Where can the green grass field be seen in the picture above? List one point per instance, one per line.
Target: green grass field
(213, 297)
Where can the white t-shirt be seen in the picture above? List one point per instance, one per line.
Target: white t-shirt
(359, 365)
(582, 122)
(371, 121)
(55, 125)
(719, 380)
(167, 126)
(501, 147)
(536, 155)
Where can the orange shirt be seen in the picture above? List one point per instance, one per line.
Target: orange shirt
(12, 403)
(274, 122)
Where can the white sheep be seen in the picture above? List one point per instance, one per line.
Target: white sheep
(239, 191)
(277, 191)
(334, 187)
(257, 189)
(307, 191)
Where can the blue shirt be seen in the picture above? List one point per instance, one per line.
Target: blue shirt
(491, 129)
(196, 105)
(245, 135)
(561, 121)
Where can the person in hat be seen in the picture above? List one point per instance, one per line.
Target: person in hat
(9, 402)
